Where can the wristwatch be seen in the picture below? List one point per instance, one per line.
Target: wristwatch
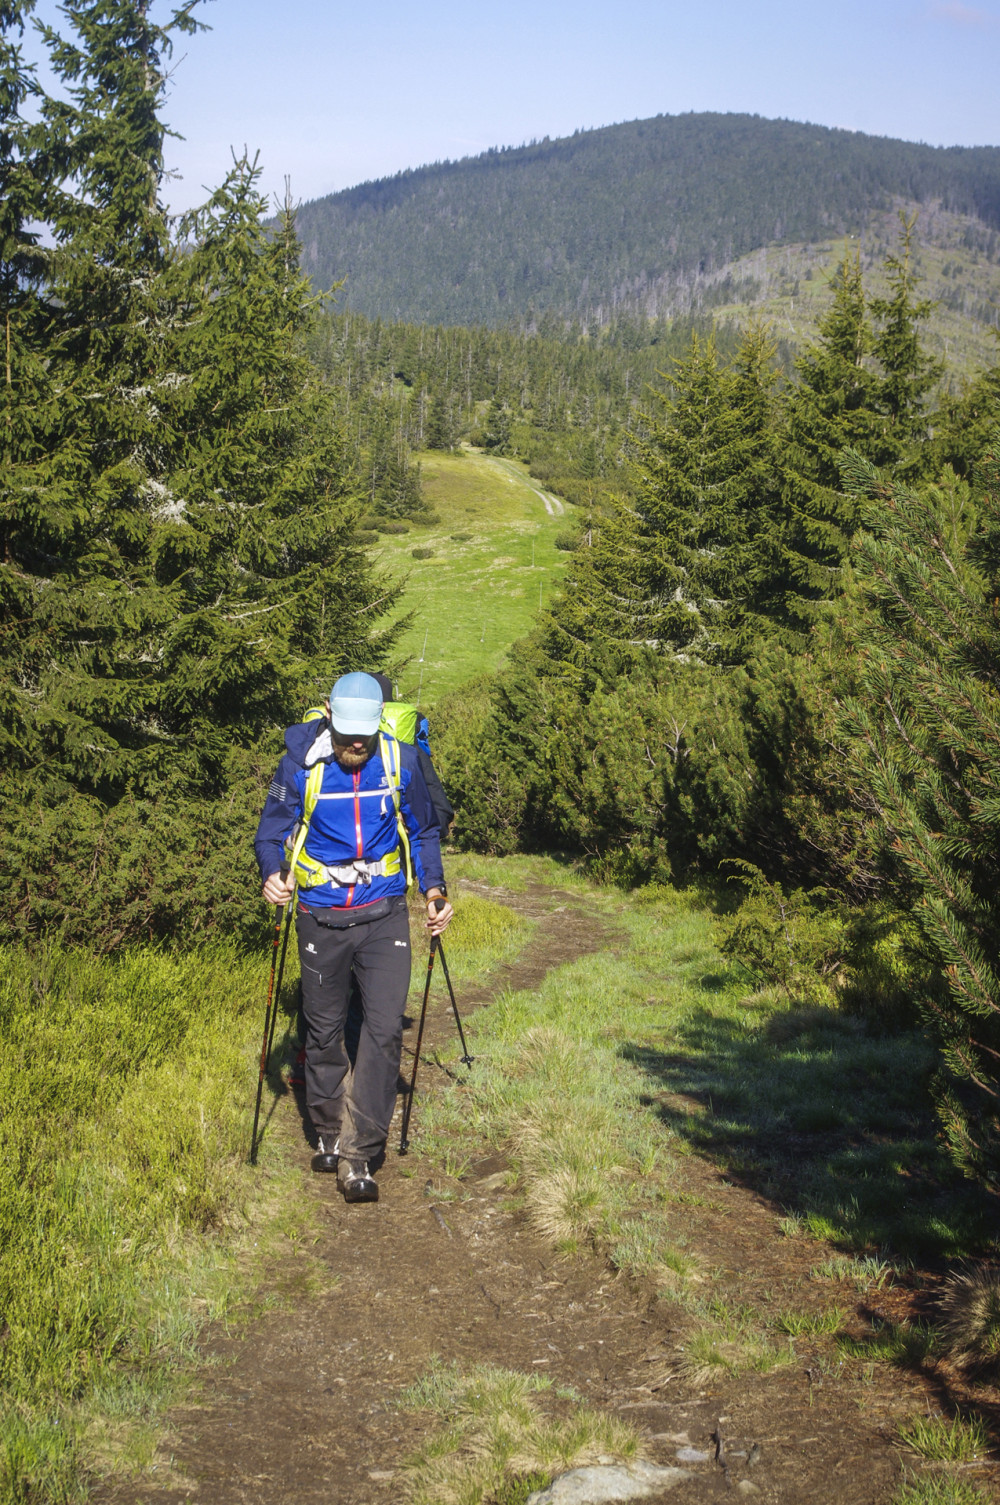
(440, 889)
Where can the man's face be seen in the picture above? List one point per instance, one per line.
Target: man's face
(350, 752)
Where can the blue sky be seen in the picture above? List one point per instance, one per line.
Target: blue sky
(333, 93)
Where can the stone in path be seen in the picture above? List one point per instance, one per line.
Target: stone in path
(592, 1486)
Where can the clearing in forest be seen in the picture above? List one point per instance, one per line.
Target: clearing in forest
(492, 564)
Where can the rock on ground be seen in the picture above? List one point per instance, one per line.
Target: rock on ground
(592, 1486)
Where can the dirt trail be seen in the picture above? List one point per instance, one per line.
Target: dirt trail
(303, 1408)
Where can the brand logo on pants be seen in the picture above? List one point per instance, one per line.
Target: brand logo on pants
(400, 943)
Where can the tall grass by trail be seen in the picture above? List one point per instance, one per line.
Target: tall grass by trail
(123, 1122)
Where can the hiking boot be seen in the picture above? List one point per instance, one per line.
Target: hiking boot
(355, 1182)
(326, 1159)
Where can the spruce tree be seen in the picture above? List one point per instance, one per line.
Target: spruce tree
(28, 411)
(908, 373)
(498, 425)
(965, 421)
(96, 448)
(689, 562)
(260, 511)
(863, 386)
(833, 407)
(179, 521)
(923, 733)
(441, 430)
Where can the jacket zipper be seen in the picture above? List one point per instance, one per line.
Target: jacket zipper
(357, 831)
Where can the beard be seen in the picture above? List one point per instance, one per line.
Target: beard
(350, 759)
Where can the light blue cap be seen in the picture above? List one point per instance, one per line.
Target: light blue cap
(356, 705)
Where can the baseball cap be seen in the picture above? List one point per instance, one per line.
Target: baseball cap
(356, 705)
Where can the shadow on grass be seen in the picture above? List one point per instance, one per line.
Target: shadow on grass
(831, 1123)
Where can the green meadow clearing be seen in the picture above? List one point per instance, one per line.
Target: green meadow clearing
(494, 563)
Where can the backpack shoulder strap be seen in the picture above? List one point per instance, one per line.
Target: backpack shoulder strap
(389, 749)
(314, 784)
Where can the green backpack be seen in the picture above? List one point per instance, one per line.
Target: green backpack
(399, 719)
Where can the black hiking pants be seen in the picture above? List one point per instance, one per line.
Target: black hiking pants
(356, 1105)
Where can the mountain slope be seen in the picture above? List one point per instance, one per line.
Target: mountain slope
(614, 218)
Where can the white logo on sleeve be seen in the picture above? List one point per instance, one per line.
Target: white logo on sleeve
(311, 948)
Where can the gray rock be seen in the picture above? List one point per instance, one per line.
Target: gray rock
(592, 1486)
(692, 1455)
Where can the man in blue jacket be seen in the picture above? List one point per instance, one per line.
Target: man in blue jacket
(368, 820)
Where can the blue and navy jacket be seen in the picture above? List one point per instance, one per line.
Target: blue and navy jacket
(354, 817)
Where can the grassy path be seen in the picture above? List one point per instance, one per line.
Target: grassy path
(601, 1246)
(494, 563)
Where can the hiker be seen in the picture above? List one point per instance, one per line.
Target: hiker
(403, 721)
(351, 802)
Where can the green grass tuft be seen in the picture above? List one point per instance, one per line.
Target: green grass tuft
(493, 1435)
(937, 1489)
(811, 1324)
(942, 1441)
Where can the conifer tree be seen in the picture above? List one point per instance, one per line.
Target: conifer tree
(498, 425)
(923, 733)
(179, 521)
(26, 408)
(833, 407)
(259, 512)
(908, 373)
(690, 563)
(91, 450)
(861, 387)
(441, 431)
(965, 421)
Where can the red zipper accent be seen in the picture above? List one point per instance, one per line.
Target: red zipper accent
(357, 832)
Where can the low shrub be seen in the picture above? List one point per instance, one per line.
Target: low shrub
(125, 1086)
(422, 553)
(785, 941)
(175, 865)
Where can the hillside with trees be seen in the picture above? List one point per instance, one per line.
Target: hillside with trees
(640, 216)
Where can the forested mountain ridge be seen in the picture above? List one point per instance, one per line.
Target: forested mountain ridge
(621, 217)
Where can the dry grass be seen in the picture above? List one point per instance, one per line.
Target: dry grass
(970, 1317)
(494, 1426)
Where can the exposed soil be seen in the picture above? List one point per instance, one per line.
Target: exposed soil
(304, 1408)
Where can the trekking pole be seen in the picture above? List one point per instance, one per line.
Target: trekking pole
(404, 1142)
(437, 948)
(467, 1060)
(283, 913)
